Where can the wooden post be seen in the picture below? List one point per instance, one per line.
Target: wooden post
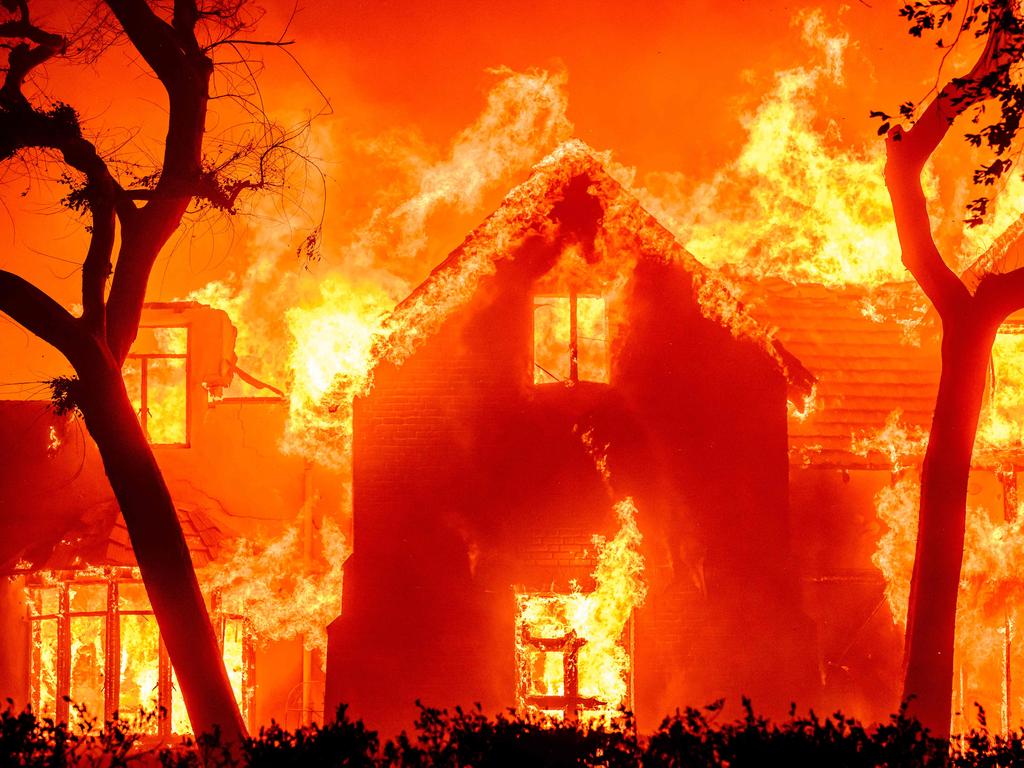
(63, 654)
(163, 688)
(112, 652)
(1008, 479)
(574, 339)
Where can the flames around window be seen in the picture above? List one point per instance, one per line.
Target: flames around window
(570, 339)
(574, 650)
(95, 641)
(559, 672)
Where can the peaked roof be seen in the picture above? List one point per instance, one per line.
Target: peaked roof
(867, 365)
(525, 210)
(57, 511)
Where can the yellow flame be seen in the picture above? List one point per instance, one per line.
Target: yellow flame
(599, 617)
(330, 361)
(991, 596)
(798, 203)
(261, 581)
(1001, 426)
(896, 440)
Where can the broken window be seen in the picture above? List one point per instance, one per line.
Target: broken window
(156, 376)
(560, 670)
(95, 641)
(570, 339)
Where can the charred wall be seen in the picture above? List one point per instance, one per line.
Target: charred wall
(469, 479)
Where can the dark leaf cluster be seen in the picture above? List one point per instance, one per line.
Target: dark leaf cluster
(997, 129)
(64, 395)
(22, 127)
(470, 739)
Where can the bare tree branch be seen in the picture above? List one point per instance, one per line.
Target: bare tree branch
(919, 252)
(234, 41)
(154, 38)
(30, 307)
(185, 73)
(907, 151)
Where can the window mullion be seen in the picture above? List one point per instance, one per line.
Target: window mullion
(112, 653)
(63, 711)
(37, 653)
(144, 396)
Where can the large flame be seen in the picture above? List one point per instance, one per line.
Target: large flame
(599, 618)
(1002, 419)
(798, 202)
(990, 604)
(315, 330)
(991, 598)
(260, 580)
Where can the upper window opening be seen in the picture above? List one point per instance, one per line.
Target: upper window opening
(156, 376)
(570, 339)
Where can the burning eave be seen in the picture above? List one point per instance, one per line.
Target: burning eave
(527, 210)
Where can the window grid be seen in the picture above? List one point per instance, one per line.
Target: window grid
(112, 579)
(554, 341)
(144, 360)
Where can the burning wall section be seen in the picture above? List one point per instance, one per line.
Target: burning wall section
(284, 539)
(464, 466)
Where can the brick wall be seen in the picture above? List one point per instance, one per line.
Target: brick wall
(469, 481)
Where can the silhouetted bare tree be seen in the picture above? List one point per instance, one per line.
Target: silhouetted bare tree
(969, 323)
(135, 217)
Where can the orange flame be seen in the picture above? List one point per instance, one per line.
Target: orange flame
(599, 618)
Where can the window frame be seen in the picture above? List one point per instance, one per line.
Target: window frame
(573, 298)
(568, 645)
(143, 359)
(113, 578)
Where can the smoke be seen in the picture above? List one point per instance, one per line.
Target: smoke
(315, 326)
(523, 120)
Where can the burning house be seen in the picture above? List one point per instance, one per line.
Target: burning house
(588, 472)
(568, 358)
(76, 619)
(854, 488)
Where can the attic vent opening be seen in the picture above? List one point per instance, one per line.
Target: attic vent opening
(570, 339)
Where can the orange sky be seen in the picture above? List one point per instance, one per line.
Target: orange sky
(663, 85)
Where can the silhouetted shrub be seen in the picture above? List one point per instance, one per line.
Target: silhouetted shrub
(341, 744)
(469, 738)
(474, 739)
(691, 739)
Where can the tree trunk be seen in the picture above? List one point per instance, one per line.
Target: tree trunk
(931, 613)
(161, 552)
